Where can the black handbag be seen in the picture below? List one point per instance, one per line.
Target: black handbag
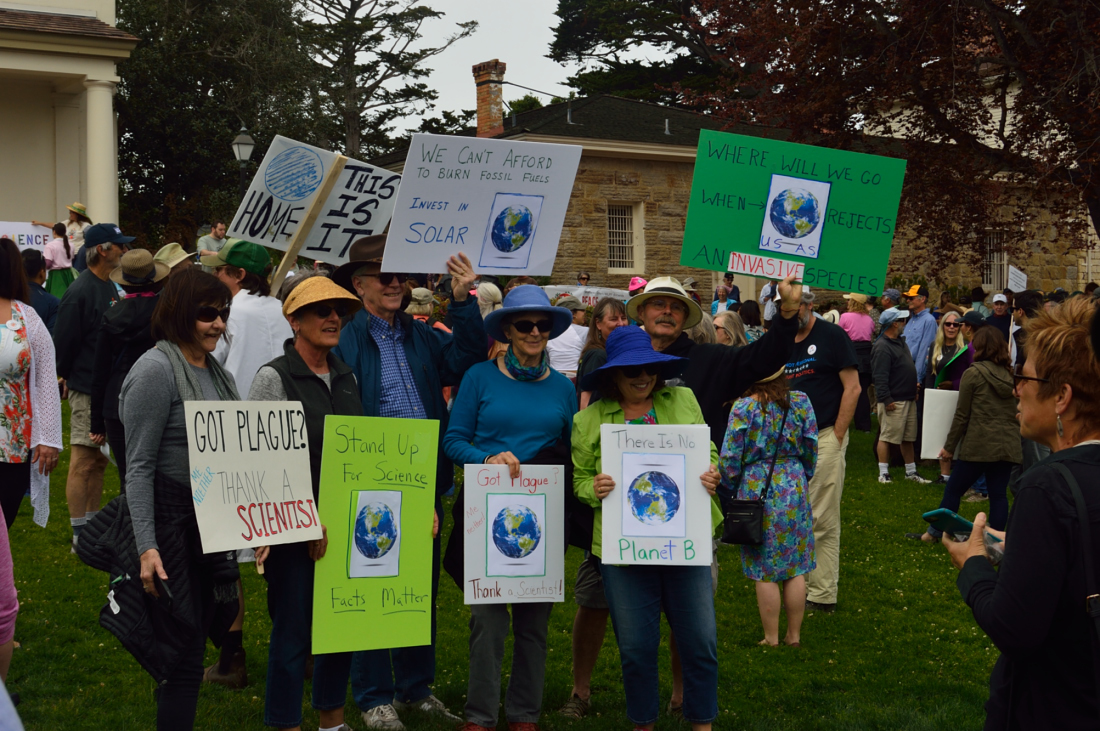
(744, 524)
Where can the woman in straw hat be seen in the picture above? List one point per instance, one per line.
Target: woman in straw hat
(77, 224)
(307, 372)
(124, 337)
(632, 383)
(769, 452)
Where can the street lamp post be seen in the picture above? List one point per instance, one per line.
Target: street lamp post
(242, 150)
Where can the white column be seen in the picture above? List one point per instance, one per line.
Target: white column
(102, 171)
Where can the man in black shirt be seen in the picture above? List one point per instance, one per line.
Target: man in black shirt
(824, 367)
(1002, 316)
(78, 320)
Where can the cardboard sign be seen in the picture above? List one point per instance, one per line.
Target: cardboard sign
(288, 183)
(1017, 280)
(250, 475)
(501, 202)
(939, 412)
(514, 534)
(25, 235)
(659, 512)
(373, 588)
(771, 209)
(587, 295)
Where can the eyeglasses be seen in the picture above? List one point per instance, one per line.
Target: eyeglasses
(1018, 375)
(323, 310)
(660, 303)
(635, 371)
(209, 314)
(526, 326)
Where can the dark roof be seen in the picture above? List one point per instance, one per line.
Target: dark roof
(626, 120)
(70, 25)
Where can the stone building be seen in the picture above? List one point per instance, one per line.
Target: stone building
(630, 198)
(58, 140)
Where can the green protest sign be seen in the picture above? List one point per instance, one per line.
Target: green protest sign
(770, 209)
(373, 588)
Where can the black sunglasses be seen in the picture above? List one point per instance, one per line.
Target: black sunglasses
(209, 314)
(956, 323)
(323, 310)
(526, 326)
(1018, 375)
(388, 278)
(635, 371)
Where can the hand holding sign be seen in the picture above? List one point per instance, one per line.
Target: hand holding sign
(792, 296)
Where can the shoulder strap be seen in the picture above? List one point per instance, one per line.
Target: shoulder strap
(1092, 598)
(775, 454)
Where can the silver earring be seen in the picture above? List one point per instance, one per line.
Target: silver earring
(1061, 431)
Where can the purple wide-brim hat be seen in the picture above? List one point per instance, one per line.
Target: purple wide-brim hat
(632, 346)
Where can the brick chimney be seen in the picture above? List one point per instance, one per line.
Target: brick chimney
(490, 101)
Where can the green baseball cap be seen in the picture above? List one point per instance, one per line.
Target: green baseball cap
(242, 254)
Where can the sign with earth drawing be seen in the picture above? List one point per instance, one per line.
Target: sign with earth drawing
(771, 209)
(514, 542)
(501, 202)
(287, 186)
(373, 587)
(659, 513)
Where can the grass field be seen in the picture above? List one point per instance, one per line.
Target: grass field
(901, 652)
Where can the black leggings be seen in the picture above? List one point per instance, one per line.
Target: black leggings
(178, 698)
(116, 437)
(15, 480)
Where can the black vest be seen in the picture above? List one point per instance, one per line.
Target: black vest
(318, 400)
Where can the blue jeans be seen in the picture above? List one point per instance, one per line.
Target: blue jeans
(636, 596)
(289, 574)
(404, 673)
(963, 475)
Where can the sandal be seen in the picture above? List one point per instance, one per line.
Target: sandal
(765, 643)
(792, 644)
(575, 707)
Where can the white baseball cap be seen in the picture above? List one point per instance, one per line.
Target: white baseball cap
(1000, 298)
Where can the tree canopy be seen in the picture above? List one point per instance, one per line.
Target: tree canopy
(986, 99)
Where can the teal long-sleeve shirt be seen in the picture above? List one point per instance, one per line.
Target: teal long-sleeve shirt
(494, 414)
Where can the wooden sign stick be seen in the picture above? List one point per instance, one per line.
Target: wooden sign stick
(290, 258)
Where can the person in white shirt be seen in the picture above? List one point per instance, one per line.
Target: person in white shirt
(565, 350)
(258, 329)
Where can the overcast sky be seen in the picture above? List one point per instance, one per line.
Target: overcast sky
(518, 32)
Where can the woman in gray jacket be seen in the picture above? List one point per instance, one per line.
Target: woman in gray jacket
(984, 438)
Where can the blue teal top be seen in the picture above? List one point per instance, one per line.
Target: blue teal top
(494, 414)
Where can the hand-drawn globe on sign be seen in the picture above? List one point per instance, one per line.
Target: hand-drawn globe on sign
(375, 530)
(294, 174)
(512, 228)
(654, 497)
(795, 213)
(516, 531)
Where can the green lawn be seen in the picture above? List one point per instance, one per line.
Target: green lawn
(902, 651)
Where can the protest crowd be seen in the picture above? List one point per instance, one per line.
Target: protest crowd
(514, 378)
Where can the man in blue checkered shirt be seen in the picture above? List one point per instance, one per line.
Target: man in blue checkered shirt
(402, 366)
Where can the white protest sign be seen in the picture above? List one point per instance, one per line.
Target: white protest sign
(286, 185)
(659, 512)
(1017, 280)
(939, 411)
(587, 295)
(25, 235)
(514, 534)
(250, 478)
(501, 202)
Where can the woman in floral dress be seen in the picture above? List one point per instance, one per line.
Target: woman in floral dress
(771, 422)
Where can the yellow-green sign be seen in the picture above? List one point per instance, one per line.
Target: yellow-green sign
(771, 209)
(373, 588)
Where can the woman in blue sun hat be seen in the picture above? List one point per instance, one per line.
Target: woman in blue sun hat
(633, 385)
(512, 410)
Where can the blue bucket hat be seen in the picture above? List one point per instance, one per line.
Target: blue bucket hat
(632, 346)
(522, 299)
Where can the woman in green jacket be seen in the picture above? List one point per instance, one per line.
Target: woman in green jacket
(632, 382)
(984, 438)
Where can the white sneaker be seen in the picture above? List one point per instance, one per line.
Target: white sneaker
(915, 477)
(384, 717)
(884, 479)
(431, 705)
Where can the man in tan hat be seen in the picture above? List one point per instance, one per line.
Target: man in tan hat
(402, 366)
(717, 375)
